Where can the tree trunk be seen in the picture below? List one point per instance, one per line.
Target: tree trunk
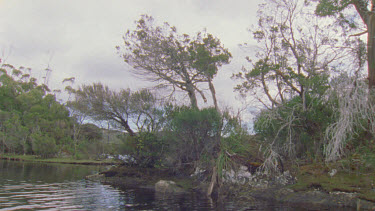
(213, 92)
(368, 19)
(191, 92)
(127, 128)
(124, 123)
(213, 181)
(371, 51)
(371, 67)
(24, 145)
(3, 142)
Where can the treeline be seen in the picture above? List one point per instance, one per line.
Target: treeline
(32, 121)
(153, 132)
(159, 133)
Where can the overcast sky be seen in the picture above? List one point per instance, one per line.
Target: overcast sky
(77, 38)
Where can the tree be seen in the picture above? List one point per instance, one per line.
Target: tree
(147, 112)
(290, 77)
(30, 113)
(195, 132)
(356, 103)
(121, 107)
(208, 55)
(296, 54)
(160, 54)
(101, 103)
(342, 9)
(91, 132)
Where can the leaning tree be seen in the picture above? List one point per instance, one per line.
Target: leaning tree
(126, 109)
(181, 61)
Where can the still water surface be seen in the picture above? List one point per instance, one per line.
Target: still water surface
(40, 186)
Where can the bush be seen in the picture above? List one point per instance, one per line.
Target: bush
(43, 145)
(89, 149)
(146, 148)
(192, 135)
(295, 131)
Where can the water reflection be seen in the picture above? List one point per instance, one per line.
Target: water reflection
(57, 186)
(70, 195)
(62, 187)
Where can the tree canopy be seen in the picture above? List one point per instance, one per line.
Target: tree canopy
(360, 8)
(160, 54)
(32, 120)
(124, 108)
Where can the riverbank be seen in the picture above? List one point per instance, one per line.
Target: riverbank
(321, 185)
(311, 199)
(315, 187)
(136, 177)
(33, 158)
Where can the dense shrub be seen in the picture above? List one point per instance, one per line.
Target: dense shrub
(293, 130)
(192, 135)
(146, 148)
(90, 149)
(43, 145)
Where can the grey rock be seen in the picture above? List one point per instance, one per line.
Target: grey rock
(165, 186)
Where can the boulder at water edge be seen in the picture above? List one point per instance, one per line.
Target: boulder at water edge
(164, 186)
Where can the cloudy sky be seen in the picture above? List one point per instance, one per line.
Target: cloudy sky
(77, 38)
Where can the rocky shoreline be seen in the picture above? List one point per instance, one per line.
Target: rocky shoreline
(276, 190)
(313, 199)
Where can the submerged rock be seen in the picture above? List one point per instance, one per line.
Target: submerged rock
(165, 186)
(94, 176)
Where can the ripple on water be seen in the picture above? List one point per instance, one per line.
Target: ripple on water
(70, 195)
(32, 186)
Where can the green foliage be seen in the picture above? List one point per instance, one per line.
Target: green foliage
(317, 175)
(32, 120)
(293, 131)
(159, 53)
(147, 149)
(43, 145)
(119, 108)
(331, 7)
(197, 123)
(192, 135)
(345, 16)
(91, 132)
(90, 149)
(292, 73)
(293, 60)
(237, 143)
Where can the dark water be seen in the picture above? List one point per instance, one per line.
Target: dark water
(37, 186)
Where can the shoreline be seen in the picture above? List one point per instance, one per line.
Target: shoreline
(31, 158)
(135, 177)
(314, 199)
(125, 177)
